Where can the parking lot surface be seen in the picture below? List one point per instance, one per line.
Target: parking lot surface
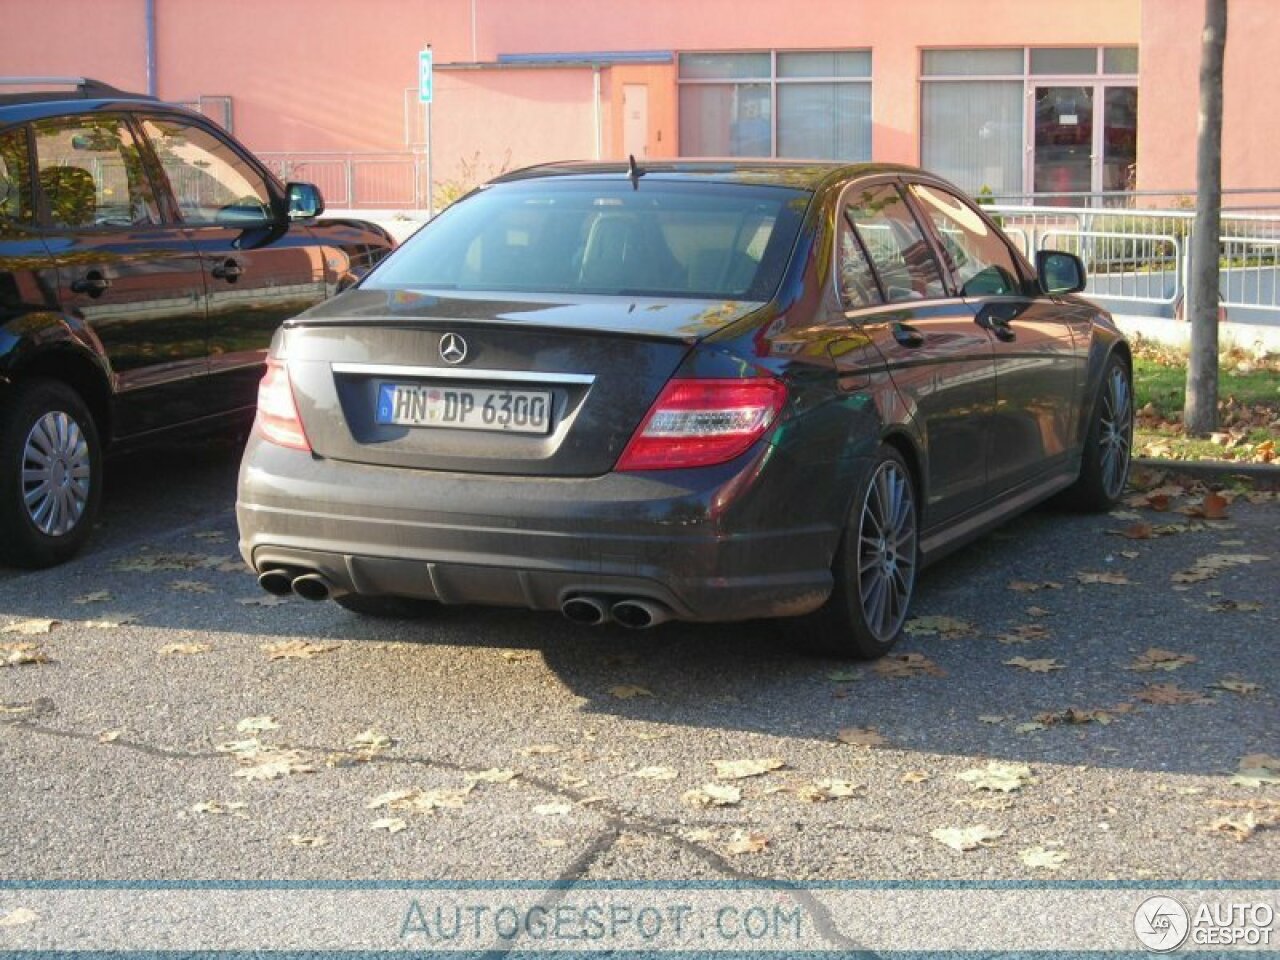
(1079, 697)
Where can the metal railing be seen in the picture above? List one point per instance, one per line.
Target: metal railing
(355, 181)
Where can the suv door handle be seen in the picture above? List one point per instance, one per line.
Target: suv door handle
(229, 270)
(989, 318)
(93, 283)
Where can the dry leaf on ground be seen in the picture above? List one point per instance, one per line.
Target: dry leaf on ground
(190, 586)
(296, 649)
(493, 775)
(966, 838)
(552, 809)
(1169, 694)
(1118, 579)
(303, 840)
(861, 737)
(273, 764)
(1235, 685)
(265, 600)
(914, 776)
(22, 654)
(19, 916)
(654, 773)
(947, 628)
(712, 795)
(745, 841)
(1042, 665)
(36, 626)
(1025, 633)
(740, 769)
(1002, 777)
(629, 691)
(389, 824)
(97, 596)
(1156, 659)
(825, 789)
(1042, 857)
(257, 724)
(184, 649)
(1033, 586)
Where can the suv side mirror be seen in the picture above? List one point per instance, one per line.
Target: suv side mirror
(1060, 272)
(304, 201)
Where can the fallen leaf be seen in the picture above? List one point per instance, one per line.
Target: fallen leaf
(553, 843)
(966, 838)
(493, 775)
(947, 628)
(712, 795)
(745, 841)
(552, 809)
(990, 718)
(216, 808)
(1026, 633)
(111, 621)
(1077, 716)
(30, 628)
(1031, 727)
(1239, 827)
(296, 649)
(1207, 567)
(629, 691)
(1038, 612)
(22, 654)
(152, 562)
(516, 656)
(914, 776)
(861, 737)
(1041, 857)
(274, 764)
(1214, 506)
(844, 676)
(1234, 606)
(184, 649)
(820, 791)
(302, 840)
(1025, 586)
(389, 824)
(1255, 777)
(539, 749)
(257, 724)
(19, 916)
(740, 769)
(109, 736)
(97, 596)
(211, 536)
(903, 666)
(1118, 579)
(1169, 694)
(1136, 531)
(1157, 659)
(1259, 760)
(1002, 777)
(1043, 665)
(654, 773)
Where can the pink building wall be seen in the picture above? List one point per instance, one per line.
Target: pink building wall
(326, 75)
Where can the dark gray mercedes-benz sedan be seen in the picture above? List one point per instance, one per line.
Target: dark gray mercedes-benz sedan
(696, 391)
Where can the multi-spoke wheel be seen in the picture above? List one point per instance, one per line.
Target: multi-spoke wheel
(1104, 466)
(50, 474)
(874, 570)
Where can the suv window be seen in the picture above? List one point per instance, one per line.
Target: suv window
(90, 173)
(896, 244)
(858, 286)
(983, 265)
(15, 181)
(211, 182)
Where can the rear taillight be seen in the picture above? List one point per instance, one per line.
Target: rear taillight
(278, 419)
(698, 423)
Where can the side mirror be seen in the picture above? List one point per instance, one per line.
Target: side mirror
(1060, 272)
(304, 201)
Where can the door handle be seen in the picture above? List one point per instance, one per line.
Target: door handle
(229, 270)
(93, 283)
(907, 335)
(989, 319)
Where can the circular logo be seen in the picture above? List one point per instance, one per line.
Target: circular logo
(1161, 924)
(453, 349)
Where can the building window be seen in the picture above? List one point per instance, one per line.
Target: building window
(789, 103)
(1014, 121)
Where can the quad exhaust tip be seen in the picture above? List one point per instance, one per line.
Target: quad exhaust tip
(311, 586)
(639, 614)
(589, 611)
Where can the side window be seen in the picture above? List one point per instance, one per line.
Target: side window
(858, 287)
(211, 182)
(15, 180)
(897, 246)
(983, 265)
(90, 173)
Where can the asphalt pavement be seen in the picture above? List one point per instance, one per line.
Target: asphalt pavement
(178, 729)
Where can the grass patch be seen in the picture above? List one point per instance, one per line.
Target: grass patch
(1163, 385)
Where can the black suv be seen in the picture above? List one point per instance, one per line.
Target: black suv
(146, 257)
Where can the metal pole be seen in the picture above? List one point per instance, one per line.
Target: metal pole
(431, 156)
(595, 89)
(152, 84)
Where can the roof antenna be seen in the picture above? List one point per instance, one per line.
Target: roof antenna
(634, 171)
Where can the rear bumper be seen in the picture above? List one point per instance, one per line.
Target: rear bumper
(692, 540)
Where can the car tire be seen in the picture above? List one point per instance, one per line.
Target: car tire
(50, 474)
(384, 607)
(874, 569)
(1108, 446)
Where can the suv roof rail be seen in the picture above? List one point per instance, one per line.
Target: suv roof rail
(86, 88)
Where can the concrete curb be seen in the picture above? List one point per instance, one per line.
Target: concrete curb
(1268, 473)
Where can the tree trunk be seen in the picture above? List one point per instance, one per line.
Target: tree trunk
(1200, 413)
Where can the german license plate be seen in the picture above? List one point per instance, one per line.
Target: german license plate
(464, 408)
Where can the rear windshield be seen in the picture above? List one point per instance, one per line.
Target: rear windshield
(664, 238)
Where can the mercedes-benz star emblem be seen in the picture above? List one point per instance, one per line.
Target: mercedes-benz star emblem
(453, 349)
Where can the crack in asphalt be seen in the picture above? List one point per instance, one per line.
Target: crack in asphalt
(617, 820)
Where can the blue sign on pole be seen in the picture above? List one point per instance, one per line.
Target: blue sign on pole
(424, 76)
